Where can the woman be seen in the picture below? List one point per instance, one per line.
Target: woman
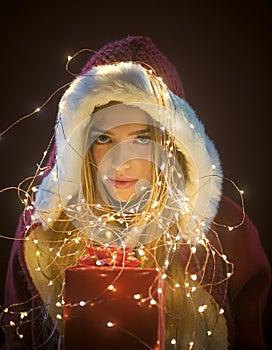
(132, 166)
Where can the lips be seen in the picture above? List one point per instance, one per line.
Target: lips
(123, 182)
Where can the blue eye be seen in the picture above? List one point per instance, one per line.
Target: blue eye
(102, 139)
(143, 140)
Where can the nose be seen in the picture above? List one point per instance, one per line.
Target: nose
(121, 157)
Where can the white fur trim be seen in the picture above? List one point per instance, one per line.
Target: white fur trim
(132, 84)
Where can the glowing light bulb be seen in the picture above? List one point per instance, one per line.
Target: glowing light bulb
(111, 287)
(137, 296)
(193, 250)
(209, 333)
(82, 303)
(202, 308)
(173, 341)
(141, 252)
(155, 204)
(58, 317)
(23, 315)
(194, 277)
(110, 324)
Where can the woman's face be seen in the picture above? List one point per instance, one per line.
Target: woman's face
(121, 150)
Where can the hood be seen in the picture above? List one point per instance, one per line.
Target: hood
(132, 84)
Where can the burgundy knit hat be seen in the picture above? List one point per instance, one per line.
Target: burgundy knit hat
(138, 49)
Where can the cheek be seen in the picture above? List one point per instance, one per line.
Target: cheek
(145, 169)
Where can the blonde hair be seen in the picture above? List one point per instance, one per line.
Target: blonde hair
(182, 319)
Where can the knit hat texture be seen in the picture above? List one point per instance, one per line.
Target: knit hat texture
(139, 49)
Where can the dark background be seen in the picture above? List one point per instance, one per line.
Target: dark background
(222, 50)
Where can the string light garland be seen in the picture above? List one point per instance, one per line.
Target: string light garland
(71, 243)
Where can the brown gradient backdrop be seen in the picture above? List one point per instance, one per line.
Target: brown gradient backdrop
(221, 49)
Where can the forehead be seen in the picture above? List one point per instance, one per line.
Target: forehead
(118, 115)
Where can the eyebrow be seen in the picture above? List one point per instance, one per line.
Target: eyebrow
(135, 132)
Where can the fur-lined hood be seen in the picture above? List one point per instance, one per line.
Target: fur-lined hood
(134, 85)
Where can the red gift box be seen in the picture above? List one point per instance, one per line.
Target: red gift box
(113, 307)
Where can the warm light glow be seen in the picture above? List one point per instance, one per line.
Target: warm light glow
(137, 296)
(191, 344)
(193, 250)
(202, 308)
(111, 287)
(194, 277)
(141, 252)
